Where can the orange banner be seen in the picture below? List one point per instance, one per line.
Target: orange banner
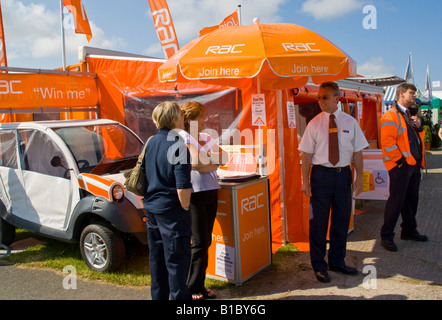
(164, 27)
(230, 21)
(80, 17)
(30, 91)
(3, 61)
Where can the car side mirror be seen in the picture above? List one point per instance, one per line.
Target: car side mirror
(56, 162)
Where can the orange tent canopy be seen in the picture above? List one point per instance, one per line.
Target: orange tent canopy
(284, 55)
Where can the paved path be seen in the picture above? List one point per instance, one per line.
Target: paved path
(414, 272)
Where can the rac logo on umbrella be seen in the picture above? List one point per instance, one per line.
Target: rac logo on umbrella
(288, 46)
(225, 49)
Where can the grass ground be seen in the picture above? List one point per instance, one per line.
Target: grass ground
(55, 255)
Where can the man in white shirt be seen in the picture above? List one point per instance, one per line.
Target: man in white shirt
(330, 182)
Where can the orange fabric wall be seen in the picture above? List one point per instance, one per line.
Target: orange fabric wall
(297, 219)
(369, 123)
(293, 202)
(115, 77)
(246, 122)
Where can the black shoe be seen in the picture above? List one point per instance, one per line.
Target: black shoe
(345, 270)
(415, 237)
(389, 245)
(322, 276)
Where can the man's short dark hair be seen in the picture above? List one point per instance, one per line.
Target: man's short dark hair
(332, 85)
(404, 87)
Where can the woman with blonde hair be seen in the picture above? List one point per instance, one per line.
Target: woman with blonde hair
(205, 158)
(167, 200)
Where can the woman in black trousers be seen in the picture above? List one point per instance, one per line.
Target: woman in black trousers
(205, 154)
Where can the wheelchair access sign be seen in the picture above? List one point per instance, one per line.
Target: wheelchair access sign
(375, 176)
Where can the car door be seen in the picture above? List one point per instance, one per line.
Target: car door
(48, 189)
(12, 193)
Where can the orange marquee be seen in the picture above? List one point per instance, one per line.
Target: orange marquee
(284, 55)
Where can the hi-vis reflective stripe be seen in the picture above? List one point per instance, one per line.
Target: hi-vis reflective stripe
(405, 154)
(393, 147)
(97, 185)
(399, 128)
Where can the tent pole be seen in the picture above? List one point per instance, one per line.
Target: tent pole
(260, 139)
(280, 126)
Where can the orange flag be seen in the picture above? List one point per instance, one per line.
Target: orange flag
(229, 21)
(3, 61)
(80, 17)
(164, 27)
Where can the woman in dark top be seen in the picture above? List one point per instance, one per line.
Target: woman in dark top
(167, 200)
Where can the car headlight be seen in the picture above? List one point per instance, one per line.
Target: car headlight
(117, 192)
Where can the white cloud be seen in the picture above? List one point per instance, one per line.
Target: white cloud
(23, 25)
(154, 50)
(190, 16)
(32, 31)
(330, 9)
(375, 67)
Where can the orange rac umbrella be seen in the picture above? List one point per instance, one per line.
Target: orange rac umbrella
(274, 56)
(283, 55)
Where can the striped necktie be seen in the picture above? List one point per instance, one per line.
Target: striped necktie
(333, 147)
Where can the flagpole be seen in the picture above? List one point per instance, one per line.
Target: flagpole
(63, 50)
(428, 84)
(239, 15)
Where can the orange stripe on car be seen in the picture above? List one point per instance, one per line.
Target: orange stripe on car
(106, 181)
(97, 190)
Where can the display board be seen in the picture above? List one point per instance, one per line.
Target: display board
(241, 241)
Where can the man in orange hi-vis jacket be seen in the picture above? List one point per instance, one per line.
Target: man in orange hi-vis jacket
(402, 147)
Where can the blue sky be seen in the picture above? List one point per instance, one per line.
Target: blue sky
(32, 29)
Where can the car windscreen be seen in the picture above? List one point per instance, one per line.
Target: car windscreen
(102, 149)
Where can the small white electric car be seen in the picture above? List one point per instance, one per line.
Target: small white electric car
(64, 180)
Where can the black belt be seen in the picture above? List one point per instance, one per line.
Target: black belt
(335, 169)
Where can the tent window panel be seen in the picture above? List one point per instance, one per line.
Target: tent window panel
(306, 111)
(223, 109)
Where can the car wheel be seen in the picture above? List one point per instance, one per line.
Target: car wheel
(7, 232)
(102, 248)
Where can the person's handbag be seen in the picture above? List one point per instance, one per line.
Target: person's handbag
(136, 179)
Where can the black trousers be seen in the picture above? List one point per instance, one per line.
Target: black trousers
(403, 200)
(203, 207)
(331, 191)
(169, 254)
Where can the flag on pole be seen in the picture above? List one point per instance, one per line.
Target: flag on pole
(428, 87)
(80, 18)
(164, 27)
(229, 21)
(3, 61)
(409, 76)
